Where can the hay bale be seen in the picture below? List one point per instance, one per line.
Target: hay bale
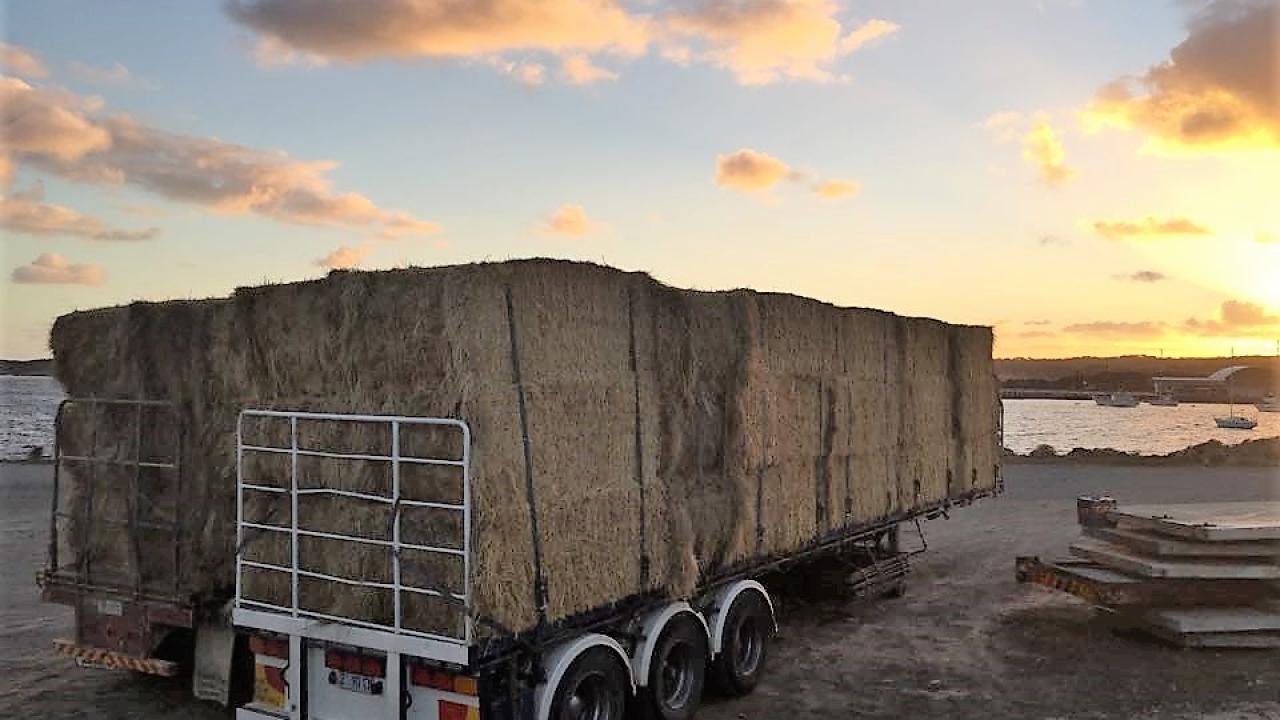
(671, 434)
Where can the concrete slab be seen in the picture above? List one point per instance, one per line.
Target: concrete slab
(1125, 560)
(1211, 522)
(1214, 620)
(1149, 542)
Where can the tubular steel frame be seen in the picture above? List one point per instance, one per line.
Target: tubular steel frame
(81, 575)
(295, 619)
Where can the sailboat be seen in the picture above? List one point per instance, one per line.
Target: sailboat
(1233, 421)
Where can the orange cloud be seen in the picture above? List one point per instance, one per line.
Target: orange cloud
(569, 220)
(1237, 318)
(1042, 148)
(749, 171)
(832, 189)
(579, 70)
(358, 31)
(28, 214)
(53, 269)
(1219, 88)
(21, 62)
(760, 41)
(344, 257)
(59, 133)
(1148, 227)
(1107, 328)
(48, 123)
(765, 40)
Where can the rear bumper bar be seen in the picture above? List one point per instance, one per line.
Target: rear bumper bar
(98, 657)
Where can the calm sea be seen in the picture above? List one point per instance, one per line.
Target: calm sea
(28, 404)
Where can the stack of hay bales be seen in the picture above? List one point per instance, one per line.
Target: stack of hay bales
(672, 435)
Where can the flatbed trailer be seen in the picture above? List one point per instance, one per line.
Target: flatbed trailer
(646, 655)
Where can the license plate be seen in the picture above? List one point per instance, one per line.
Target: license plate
(358, 683)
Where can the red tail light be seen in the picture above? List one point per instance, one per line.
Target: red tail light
(451, 711)
(429, 677)
(273, 647)
(355, 663)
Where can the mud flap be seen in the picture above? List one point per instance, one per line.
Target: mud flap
(211, 675)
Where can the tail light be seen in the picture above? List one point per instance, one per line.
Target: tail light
(370, 665)
(430, 677)
(454, 711)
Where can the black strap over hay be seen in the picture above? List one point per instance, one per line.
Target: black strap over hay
(639, 438)
(539, 580)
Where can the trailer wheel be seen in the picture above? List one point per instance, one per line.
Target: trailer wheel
(745, 646)
(677, 671)
(595, 687)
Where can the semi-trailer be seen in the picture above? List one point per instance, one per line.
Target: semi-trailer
(513, 490)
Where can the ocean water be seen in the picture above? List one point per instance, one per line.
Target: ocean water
(1146, 429)
(27, 407)
(28, 404)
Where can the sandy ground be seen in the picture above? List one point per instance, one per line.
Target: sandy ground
(965, 642)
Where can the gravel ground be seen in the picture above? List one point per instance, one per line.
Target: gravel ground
(965, 642)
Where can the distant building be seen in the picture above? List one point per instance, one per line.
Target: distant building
(1245, 383)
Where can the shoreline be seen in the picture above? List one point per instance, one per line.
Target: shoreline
(1256, 452)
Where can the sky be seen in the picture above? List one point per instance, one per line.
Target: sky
(1088, 177)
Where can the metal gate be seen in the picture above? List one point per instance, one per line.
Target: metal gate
(121, 439)
(292, 616)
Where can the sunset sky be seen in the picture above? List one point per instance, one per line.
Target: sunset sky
(1088, 176)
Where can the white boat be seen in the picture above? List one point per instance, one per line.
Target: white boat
(1270, 403)
(1163, 400)
(1116, 399)
(1236, 422)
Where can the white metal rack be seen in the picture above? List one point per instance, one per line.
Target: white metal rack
(298, 621)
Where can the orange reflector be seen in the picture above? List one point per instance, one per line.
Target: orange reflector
(268, 686)
(259, 645)
(453, 711)
(465, 684)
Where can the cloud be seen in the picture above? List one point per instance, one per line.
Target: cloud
(762, 41)
(1144, 276)
(750, 170)
(569, 219)
(28, 214)
(114, 75)
(1039, 323)
(832, 189)
(1107, 328)
(1219, 88)
(1148, 227)
(372, 29)
(51, 268)
(344, 257)
(1237, 318)
(21, 62)
(1004, 125)
(60, 133)
(867, 32)
(1042, 148)
(1047, 240)
(531, 74)
(48, 123)
(579, 70)
(1033, 334)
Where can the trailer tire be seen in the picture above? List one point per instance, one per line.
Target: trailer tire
(744, 647)
(677, 672)
(596, 685)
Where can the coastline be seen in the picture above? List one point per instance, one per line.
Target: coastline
(1258, 452)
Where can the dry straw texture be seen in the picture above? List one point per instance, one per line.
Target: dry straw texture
(672, 434)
